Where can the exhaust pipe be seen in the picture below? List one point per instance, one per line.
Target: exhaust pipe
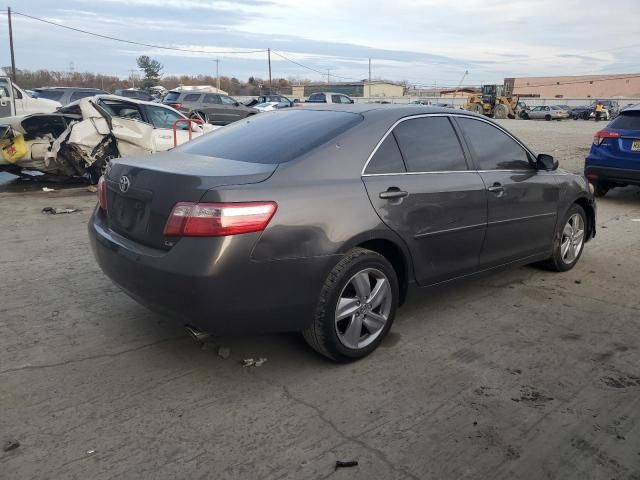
(197, 334)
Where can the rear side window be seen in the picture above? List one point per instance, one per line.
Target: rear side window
(192, 97)
(276, 137)
(171, 97)
(387, 158)
(430, 145)
(626, 121)
(49, 94)
(492, 148)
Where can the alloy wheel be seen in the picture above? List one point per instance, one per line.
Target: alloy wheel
(572, 238)
(363, 308)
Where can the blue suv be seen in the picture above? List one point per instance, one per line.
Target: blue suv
(614, 159)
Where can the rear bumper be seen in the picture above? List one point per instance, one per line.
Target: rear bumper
(212, 283)
(623, 176)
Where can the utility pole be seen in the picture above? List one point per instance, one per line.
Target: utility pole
(466, 72)
(133, 77)
(369, 77)
(13, 58)
(269, 60)
(328, 75)
(217, 75)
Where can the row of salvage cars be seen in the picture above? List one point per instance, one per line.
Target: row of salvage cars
(81, 138)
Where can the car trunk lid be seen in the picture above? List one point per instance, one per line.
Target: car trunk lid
(141, 192)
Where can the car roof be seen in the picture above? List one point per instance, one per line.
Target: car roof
(392, 111)
(129, 99)
(633, 108)
(69, 88)
(330, 93)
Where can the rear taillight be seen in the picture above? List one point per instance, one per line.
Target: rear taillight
(600, 136)
(175, 105)
(102, 193)
(218, 219)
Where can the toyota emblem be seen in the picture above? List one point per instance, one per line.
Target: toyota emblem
(125, 183)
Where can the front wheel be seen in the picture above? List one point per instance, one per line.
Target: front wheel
(569, 241)
(357, 305)
(547, 118)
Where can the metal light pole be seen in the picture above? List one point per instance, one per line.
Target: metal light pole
(13, 59)
(269, 60)
(369, 77)
(217, 75)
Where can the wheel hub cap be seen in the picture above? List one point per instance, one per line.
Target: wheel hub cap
(363, 308)
(572, 239)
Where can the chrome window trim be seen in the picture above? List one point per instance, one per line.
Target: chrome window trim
(425, 115)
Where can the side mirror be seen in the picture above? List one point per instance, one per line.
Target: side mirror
(546, 162)
(6, 132)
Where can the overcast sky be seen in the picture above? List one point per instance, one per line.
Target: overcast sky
(423, 41)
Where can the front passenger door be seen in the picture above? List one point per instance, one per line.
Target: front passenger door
(522, 202)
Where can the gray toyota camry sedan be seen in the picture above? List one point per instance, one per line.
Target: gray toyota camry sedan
(321, 219)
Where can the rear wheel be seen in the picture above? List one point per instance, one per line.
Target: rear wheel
(601, 189)
(356, 308)
(524, 116)
(569, 241)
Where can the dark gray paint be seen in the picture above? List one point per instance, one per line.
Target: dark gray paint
(448, 226)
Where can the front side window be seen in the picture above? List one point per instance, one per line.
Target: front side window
(318, 97)
(387, 158)
(164, 117)
(212, 99)
(227, 100)
(345, 99)
(430, 144)
(492, 148)
(125, 110)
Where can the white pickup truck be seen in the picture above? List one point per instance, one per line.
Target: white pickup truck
(15, 101)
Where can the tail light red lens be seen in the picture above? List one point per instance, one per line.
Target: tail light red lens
(600, 136)
(102, 193)
(218, 219)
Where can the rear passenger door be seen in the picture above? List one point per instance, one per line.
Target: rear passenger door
(522, 201)
(419, 182)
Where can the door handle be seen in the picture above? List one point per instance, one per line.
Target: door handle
(496, 188)
(393, 192)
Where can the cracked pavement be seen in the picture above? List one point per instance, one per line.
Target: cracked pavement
(521, 374)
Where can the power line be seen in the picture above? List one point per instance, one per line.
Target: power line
(131, 42)
(323, 73)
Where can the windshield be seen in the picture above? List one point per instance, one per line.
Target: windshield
(48, 94)
(305, 130)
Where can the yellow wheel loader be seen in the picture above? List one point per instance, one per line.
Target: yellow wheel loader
(493, 102)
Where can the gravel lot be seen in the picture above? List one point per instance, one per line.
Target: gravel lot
(523, 374)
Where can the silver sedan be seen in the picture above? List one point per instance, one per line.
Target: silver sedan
(546, 112)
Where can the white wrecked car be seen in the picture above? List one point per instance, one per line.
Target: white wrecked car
(82, 137)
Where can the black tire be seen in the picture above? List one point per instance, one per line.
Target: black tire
(601, 189)
(555, 262)
(547, 118)
(322, 334)
(524, 116)
(586, 115)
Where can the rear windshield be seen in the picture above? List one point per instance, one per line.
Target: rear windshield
(171, 97)
(272, 138)
(626, 121)
(48, 94)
